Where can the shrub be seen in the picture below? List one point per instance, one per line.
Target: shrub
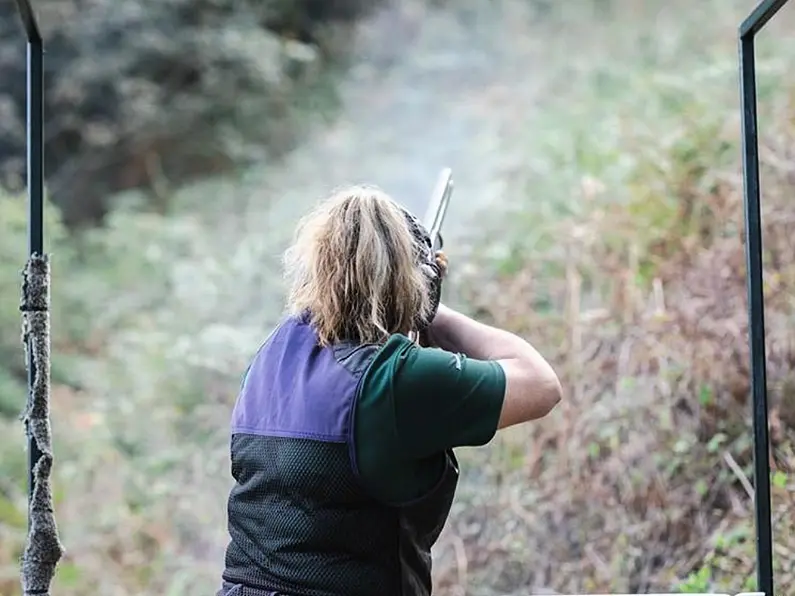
(157, 93)
(625, 264)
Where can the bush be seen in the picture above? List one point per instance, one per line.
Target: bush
(157, 93)
(136, 400)
(626, 265)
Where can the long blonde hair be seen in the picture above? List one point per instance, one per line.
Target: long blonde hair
(353, 269)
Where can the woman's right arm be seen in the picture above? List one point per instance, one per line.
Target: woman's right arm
(532, 387)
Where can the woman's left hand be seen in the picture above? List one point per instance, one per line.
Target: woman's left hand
(441, 262)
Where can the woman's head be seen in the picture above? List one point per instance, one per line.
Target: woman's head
(354, 267)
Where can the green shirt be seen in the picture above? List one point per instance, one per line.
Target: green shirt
(414, 404)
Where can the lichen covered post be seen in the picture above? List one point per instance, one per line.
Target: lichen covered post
(43, 547)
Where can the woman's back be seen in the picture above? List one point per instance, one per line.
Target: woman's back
(301, 522)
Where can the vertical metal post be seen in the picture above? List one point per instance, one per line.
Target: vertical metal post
(35, 158)
(756, 305)
(756, 316)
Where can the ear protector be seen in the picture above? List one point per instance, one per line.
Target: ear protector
(426, 261)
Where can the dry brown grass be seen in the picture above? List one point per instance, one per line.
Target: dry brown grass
(641, 480)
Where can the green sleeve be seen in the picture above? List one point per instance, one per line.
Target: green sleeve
(412, 405)
(444, 400)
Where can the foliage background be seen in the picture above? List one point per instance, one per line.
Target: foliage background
(598, 213)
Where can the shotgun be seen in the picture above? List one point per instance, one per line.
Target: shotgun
(437, 209)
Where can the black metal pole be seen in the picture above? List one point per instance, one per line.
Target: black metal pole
(759, 17)
(35, 133)
(756, 304)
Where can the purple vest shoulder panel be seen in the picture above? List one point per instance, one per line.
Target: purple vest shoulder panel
(295, 388)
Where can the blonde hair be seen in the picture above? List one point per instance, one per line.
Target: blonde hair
(353, 268)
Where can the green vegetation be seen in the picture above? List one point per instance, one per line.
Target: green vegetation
(225, 78)
(626, 263)
(621, 258)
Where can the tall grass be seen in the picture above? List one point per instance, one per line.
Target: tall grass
(622, 257)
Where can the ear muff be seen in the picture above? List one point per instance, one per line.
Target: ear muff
(426, 260)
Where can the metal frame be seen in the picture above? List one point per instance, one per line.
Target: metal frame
(752, 25)
(35, 158)
(755, 22)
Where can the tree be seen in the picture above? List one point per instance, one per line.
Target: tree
(143, 90)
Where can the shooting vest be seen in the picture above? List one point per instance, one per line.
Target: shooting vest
(300, 520)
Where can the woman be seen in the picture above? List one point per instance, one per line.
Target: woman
(343, 432)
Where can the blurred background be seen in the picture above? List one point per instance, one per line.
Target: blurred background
(597, 212)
